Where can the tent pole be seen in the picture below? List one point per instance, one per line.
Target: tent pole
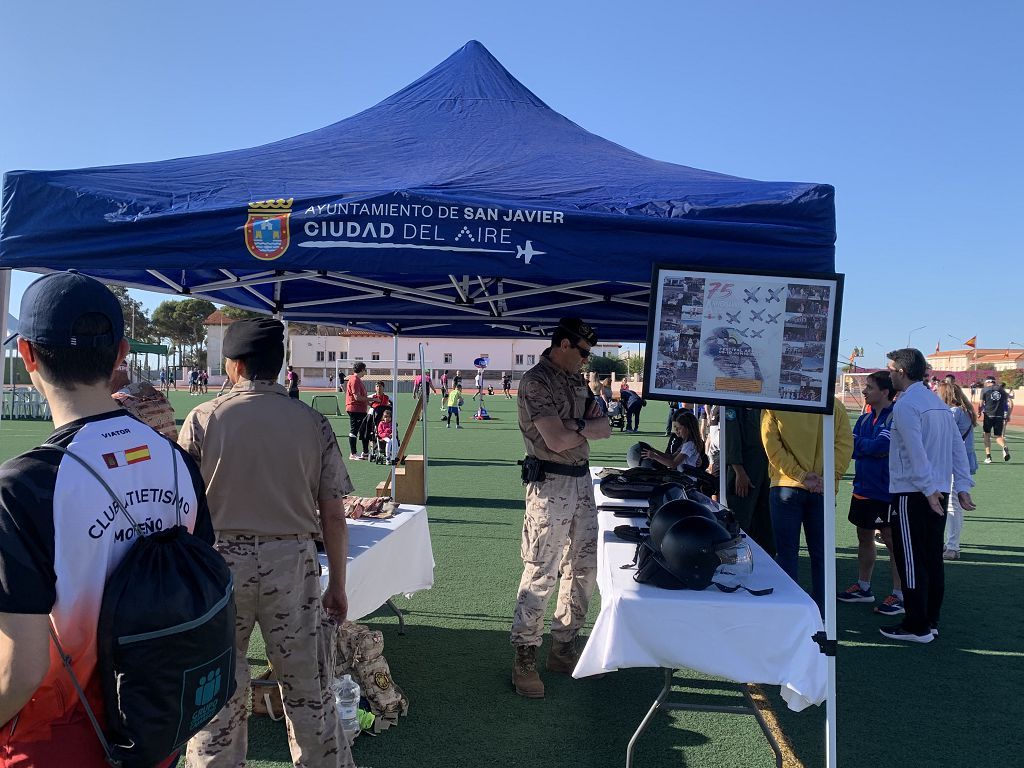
(394, 405)
(5, 303)
(723, 473)
(424, 394)
(829, 482)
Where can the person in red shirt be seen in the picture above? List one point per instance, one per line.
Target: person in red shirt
(356, 406)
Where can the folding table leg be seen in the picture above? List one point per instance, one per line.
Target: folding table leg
(750, 708)
(395, 610)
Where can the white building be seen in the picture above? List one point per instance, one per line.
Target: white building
(315, 357)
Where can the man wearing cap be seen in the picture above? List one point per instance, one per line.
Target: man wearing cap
(993, 413)
(58, 541)
(268, 506)
(142, 400)
(558, 415)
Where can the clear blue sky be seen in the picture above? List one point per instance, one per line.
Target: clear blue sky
(912, 110)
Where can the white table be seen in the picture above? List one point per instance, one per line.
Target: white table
(386, 558)
(736, 635)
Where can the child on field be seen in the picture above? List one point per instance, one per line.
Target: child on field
(455, 402)
(385, 429)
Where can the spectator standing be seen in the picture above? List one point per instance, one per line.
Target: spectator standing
(356, 406)
(632, 403)
(993, 413)
(457, 379)
(966, 421)
(925, 451)
(444, 390)
(746, 489)
(558, 418)
(871, 501)
(268, 507)
(793, 443)
(506, 384)
(422, 384)
(291, 383)
(54, 557)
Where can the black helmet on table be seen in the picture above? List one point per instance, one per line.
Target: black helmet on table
(691, 550)
(673, 512)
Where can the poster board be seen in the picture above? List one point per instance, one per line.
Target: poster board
(762, 339)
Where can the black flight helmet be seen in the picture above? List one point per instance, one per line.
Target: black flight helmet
(690, 550)
(671, 513)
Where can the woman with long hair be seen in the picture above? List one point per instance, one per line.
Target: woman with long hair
(685, 446)
(966, 420)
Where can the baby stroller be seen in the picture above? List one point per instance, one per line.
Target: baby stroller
(378, 453)
(616, 415)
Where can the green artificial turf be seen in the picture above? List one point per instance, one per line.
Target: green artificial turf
(949, 703)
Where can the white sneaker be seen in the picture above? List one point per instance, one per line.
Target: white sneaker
(354, 457)
(988, 459)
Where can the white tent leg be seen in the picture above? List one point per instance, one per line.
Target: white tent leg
(828, 472)
(723, 474)
(394, 408)
(424, 394)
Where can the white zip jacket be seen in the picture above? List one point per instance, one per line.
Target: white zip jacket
(926, 448)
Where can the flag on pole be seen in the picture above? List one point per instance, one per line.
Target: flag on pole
(972, 342)
(936, 347)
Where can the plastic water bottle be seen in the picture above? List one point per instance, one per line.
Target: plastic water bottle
(346, 694)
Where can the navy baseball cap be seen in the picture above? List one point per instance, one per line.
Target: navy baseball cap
(52, 305)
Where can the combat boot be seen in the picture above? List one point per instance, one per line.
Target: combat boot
(562, 657)
(524, 673)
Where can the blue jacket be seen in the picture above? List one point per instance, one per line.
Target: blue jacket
(871, 453)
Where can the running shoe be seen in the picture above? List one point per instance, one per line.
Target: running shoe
(354, 457)
(891, 606)
(951, 554)
(899, 633)
(988, 459)
(1006, 455)
(854, 594)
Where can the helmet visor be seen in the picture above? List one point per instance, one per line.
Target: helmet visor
(737, 561)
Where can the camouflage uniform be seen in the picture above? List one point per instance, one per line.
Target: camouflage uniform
(560, 526)
(267, 459)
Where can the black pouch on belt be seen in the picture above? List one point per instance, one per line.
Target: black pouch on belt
(533, 470)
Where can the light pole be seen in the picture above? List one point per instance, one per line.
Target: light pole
(913, 331)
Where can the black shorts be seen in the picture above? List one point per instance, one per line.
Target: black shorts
(869, 513)
(993, 424)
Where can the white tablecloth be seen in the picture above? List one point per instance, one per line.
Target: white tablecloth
(738, 636)
(386, 558)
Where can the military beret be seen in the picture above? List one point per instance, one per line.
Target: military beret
(576, 327)
(249, 337)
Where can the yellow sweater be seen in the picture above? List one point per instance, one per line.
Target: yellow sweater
(793, 444)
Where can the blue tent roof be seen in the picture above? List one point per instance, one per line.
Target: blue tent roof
(461, 205)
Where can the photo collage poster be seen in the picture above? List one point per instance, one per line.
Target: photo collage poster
(743, 338)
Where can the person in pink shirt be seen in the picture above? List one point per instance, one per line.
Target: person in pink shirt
(356, 406)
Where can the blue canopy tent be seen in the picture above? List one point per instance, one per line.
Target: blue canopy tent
(460, 206)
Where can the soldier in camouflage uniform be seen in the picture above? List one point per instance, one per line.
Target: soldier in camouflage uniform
(270, 463)
(557, 415)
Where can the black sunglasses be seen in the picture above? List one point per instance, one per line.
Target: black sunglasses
(584, 353)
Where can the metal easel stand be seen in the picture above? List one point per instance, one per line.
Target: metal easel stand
(749, 708)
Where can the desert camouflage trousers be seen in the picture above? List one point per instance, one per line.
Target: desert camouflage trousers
(277, 583)
(559, 539)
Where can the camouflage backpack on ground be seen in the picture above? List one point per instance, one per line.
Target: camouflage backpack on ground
(361, 654)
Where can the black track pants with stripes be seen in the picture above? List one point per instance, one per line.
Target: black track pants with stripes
(917, 534)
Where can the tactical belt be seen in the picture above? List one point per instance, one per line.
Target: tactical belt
(568, 470)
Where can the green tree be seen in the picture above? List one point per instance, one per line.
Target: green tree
(636, 364)
(136, 320)
(182, 322)
(241, 314)
(606, 365)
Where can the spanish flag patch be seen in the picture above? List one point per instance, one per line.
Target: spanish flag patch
(124, 458)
